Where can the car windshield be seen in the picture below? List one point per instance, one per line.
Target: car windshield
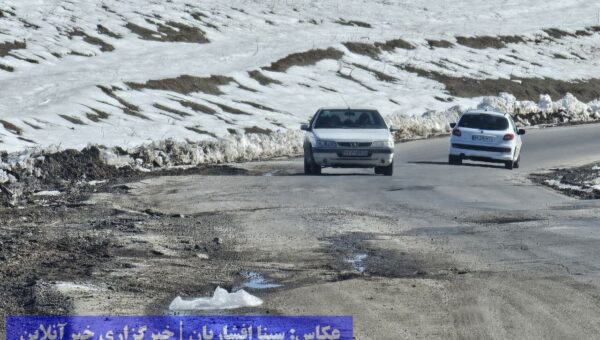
(483, 122)
(350, 119)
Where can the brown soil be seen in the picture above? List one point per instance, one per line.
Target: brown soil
(393, 44)
(7, 68)
(305, 59)
(72, 120)
(171, 110)
(197, 107)
(104, 46)
(97, 115)
(103, 30)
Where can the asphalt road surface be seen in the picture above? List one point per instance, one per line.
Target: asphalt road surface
(436, 251)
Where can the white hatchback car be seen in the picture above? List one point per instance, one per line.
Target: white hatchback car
(348, 138)
(486, 136)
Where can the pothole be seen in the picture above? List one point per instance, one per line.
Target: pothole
(256, 281)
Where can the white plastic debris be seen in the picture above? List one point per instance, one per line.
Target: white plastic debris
(221, 299)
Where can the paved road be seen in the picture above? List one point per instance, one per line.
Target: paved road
(436, 251)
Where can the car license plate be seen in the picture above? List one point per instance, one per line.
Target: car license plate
(482, 138)
(355, 153)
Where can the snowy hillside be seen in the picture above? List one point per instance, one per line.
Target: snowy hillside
(130, 72)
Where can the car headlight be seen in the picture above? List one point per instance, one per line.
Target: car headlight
(383, 144)
(326, 144)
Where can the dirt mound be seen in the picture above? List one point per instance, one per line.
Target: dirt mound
(307, 58)
(74, 165)
(186, 84)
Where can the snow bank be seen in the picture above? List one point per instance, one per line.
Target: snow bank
(221, 299)
(566, 109)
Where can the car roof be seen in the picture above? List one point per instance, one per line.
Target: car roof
(486, 112)
(348, 108)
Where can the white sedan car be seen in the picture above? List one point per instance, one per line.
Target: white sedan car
(348, 138)
(486, 136)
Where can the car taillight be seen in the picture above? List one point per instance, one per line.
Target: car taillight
(509, 136)
(456, 132)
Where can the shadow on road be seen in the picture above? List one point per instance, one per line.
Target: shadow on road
(478, 165)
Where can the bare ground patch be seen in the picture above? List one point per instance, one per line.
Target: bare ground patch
(186, 84)
(104, 46)
(198, 130)
(7, 68)
(171, 110)
(483, 42)
(257, 130)
(128, 108)
(378, 74)
(524, 89)
(262, 79)
(72, 119)
(581, 182)
(6, 47)
(97, 115)
(369, 50)
(307, 58)
(356, 23)
(170, 32)
(11, 127)
(439, 44)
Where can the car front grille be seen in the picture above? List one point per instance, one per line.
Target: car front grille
(482, 148)
(355, 144)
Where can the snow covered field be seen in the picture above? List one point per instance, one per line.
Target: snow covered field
(232, 80)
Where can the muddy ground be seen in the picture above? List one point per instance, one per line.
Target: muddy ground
(579, 182)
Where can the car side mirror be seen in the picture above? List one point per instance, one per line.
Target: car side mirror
(521, 132)
(304, 127)
(394, 129)
(453, 125)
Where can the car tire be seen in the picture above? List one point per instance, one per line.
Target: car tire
(454, 160)
(385, 170)
(307, 166)
(310, 167)
(517, 163)
(509, 165)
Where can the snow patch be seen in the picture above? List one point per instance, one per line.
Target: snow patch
(221, 299)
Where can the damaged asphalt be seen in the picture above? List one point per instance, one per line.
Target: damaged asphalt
(436, 251)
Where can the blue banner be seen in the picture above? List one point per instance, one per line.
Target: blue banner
(179, 327)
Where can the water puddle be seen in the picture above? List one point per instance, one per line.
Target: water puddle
(357, 262)
(254, 280)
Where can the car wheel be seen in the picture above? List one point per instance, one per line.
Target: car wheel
(386, 170)
(454, 160)
(517, 163)
(307, 166)
(377, 170)
(509, 165)
(310, 167)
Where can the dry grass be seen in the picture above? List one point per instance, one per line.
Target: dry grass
(378, 74)
(197, 107)
(200, 131)
(439, 44)
(393, 44)
(526, 89)
(171, 32)
(97, 115)
(231, 110)
(8, 46)
(262, 79)
(186, 84)
(11, 127)
(6, 68)
(353, 23)
(103, 30)
(257, 130)
(128, 108)
(104, 46)
(369, 50)
(72, 120)
(171, 110)
(307, 58)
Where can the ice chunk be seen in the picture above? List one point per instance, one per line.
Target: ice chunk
(221, 299)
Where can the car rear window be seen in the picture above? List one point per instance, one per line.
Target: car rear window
(350, 119)
(483, 122)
